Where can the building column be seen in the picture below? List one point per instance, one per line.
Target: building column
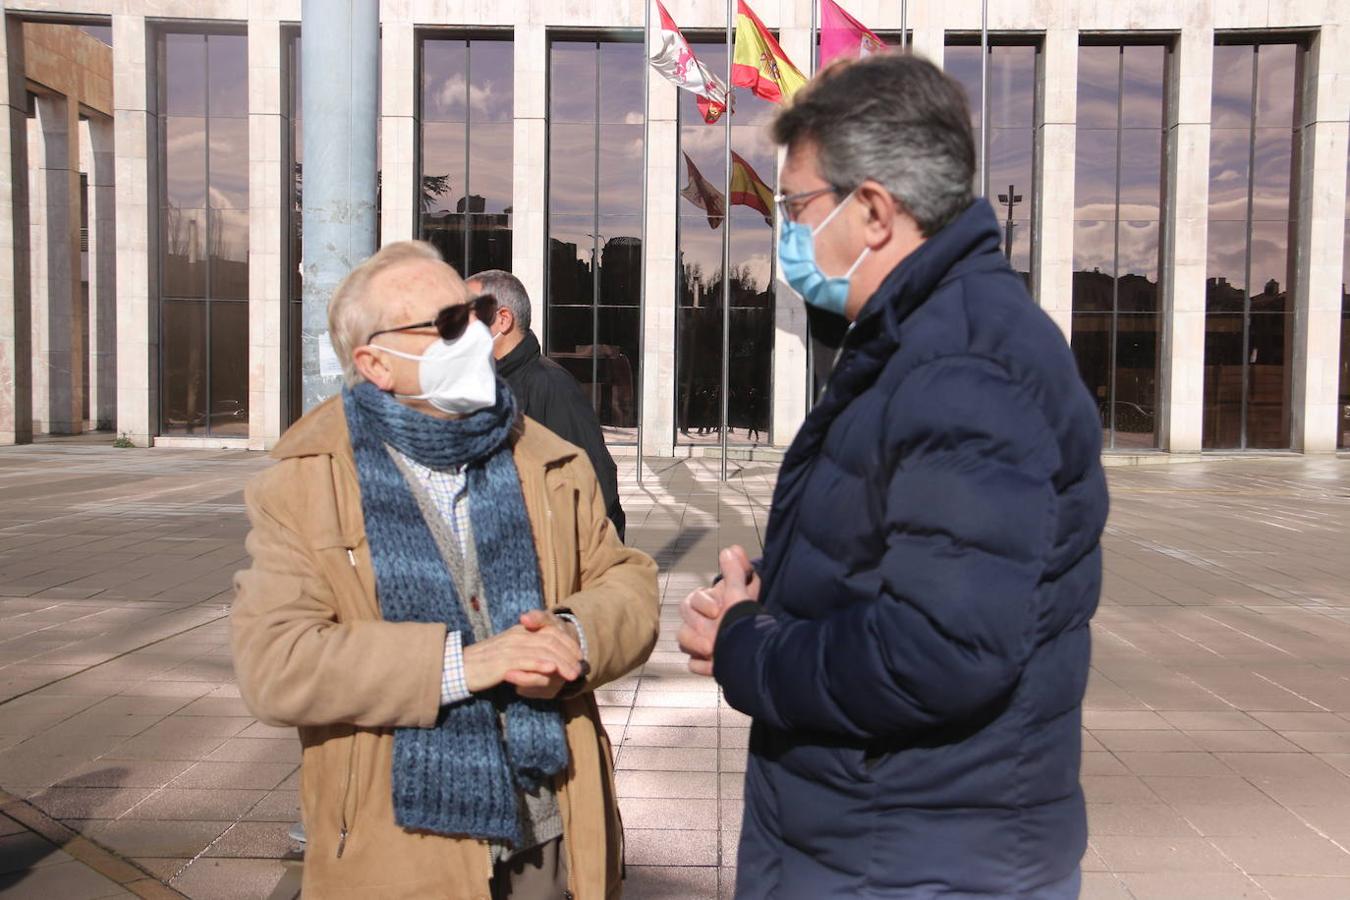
(97, 162)
(1056, 144)
(1320, 232)
(137, 222)
(16, 367)
(1185, 232)
(529, 168)
(399, 192)
(927, 25)
(788, 380)
(659, 268)
(268, 240)
(58, 326)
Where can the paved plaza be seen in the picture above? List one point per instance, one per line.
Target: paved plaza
(1217, 741)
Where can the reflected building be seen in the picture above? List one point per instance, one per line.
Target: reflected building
(1173, 204)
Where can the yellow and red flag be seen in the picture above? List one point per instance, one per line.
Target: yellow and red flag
(759, 63)
(748, 189)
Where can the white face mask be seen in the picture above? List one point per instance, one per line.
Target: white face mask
(457, 377)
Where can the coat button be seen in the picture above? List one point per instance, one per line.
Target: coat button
(473, 601)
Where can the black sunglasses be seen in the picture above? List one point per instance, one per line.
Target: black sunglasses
(451, 321)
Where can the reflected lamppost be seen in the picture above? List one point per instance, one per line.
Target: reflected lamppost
(1009, 200)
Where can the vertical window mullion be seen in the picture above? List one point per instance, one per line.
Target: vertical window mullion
(1114, 331)
(206, 226)
(1247, 262)
(595, 247)
(468, 123)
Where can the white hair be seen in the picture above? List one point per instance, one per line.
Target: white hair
(351, 318)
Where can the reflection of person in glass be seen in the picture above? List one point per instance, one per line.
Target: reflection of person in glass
(545, 390)
(913, 646)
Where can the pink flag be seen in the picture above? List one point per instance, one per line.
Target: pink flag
(841, 35)
(670, 55)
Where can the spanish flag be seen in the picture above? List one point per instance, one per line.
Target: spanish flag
(748, 189)
(759, 63)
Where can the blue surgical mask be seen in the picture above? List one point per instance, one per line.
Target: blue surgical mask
(797, 260)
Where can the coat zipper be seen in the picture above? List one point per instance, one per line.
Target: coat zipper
(552, 548)
(344, 830)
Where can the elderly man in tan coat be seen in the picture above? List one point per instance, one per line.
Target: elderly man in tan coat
(435, 594)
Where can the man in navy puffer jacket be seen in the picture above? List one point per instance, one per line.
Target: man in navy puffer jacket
(913, 646)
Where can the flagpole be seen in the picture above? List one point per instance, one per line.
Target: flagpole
(810, 346)
(642, 290)
(984, 97)
(726, 248)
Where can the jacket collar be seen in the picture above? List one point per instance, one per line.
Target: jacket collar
(526, 352)
(970, 241)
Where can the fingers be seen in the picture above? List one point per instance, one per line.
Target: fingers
(697, 642)
(741, 556)
(535, 619)
(734, 576)
(705, 603)
(522, 679)
(700, 666)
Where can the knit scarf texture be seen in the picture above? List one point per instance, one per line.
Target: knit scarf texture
(463, 776)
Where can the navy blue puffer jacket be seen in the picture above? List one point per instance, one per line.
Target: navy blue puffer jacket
(916, 671)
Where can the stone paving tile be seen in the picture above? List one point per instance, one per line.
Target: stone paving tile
(1217, 716)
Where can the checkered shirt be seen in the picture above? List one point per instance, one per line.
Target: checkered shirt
(449, 490)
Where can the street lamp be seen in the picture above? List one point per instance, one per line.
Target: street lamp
(1009, 200)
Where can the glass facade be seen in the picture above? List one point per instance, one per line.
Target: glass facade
(467, 117)
(1010, 180)
(294, 285)
(702, 185)
(595, 133)
(204, 148)
(1118, 189)
(1343, 407)
(1253, 180)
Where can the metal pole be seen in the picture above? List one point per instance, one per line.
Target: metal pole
(810, 335)
(904, 25)
(340, 75)
(726, 250)
(642, 288)
(984, 96)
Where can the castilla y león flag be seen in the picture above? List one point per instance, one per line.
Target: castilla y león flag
(841, 35)
(670, 55)
(759, 63)
(700, 192)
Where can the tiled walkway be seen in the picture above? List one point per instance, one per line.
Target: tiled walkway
(1217, 752)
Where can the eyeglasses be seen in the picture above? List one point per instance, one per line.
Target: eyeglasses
(451, 321)
(791, 205)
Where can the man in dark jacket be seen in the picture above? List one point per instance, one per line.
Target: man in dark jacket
(913, 647)
(545, 390)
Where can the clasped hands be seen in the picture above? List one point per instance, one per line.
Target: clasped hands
(701, 612)
(538, 657)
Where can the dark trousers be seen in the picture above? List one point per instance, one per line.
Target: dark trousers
(538, 874)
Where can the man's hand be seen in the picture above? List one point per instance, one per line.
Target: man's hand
(534, 685)
(702, 610)
(524, 657)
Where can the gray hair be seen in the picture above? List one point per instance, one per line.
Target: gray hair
(893, 118)
(509, 292)
(350, 317)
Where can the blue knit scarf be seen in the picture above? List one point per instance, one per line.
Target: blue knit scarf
(459, 777)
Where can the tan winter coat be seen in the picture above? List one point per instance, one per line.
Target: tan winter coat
(311, 650)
